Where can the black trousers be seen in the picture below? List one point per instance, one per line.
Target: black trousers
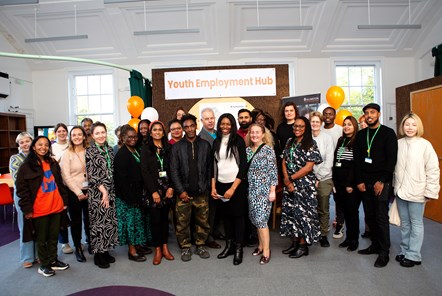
(376, 217)
(78, 211)
(159, 219)
(349, 203)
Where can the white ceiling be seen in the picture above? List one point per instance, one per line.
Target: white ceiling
(222, 29)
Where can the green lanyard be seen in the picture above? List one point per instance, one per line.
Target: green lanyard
(292, 149)
(136, 155)
(369, 143)
(161, 160)
(341, 150)
(106, 155)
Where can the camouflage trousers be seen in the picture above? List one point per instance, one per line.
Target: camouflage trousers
(199, 205)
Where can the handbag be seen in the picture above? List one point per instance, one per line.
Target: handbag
(393, 214)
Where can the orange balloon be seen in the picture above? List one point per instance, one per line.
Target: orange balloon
(335, 96)
(341, 115)
(135, 106)
(134, 123)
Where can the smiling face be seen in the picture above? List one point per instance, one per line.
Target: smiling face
(77, 137)
(176, 130)
(329, 116)
(24, 144)
(299, 128)
(315, 122)
(208, 120)
(157, 132)
(348, 128)
(372, 117)
(61, 134)
(130, 138)
(244, 120)
(99, 135)
(41, 147)
(410, 127)
(256, 135)
(144, 129)
(226, 126)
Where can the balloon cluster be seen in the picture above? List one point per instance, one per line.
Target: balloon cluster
(335, 97)
(135, 106)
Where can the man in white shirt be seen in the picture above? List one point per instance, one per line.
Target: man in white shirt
(329, 127)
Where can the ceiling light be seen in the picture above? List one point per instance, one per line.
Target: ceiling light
(57, 38)
(279, 28)
(162, 32)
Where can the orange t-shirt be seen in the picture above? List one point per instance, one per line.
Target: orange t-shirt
(48, 199)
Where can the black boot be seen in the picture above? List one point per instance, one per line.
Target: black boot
(293, 247)
(228, 250)
(108, 258)
(100, 261)
(237, 259)
(79, 255)
(301, 251)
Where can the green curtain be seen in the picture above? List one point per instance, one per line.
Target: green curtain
(437, 52)
(141, 87)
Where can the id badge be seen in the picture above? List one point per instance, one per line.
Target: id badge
(338, 164)
(85, 184)
(162, 174)
(368, 160)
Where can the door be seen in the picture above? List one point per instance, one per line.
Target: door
(427, 103)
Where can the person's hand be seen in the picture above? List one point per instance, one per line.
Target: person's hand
(105, 200)
(317, 183)
(82, 197)
(349, 189)
(229, 193)
(169, 192)
(214, 194)
(291, 187)
(378, 187)
(272, 196)
(28, 216)
(361, 187)
(156, 197)
(287, 181)
(184, 197)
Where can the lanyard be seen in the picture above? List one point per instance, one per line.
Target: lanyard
(292, 149)
(253, 153)
(341, 150)
(369, 143)
(161, 160)
(83, 162)
(106, 155)
(135, 154)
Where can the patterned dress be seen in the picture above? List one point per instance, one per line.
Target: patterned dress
(262, 174)
(103, 222)
(299, 214)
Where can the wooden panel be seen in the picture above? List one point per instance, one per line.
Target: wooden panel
(427, 104)
(11, 124)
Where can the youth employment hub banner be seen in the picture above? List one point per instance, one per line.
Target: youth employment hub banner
(220, 83)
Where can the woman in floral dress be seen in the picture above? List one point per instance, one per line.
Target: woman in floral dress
(299, 219)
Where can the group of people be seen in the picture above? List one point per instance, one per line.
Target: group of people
(221, 175)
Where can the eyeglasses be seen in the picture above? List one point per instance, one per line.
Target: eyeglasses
(132, 137)
(298, 126)
(175, 129)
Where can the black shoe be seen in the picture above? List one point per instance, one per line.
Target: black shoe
(143, 250)
(100, 261)
(213, 245)
(79, 255)
(108, 257)
(399, 257)
(323, 241)
(293, 247)
(353, 246)
(368, 251)
(344, 244)
(58, 265)
(382, 261)
(301, 251)
(237, 259)
(46, 271)
(366, 234)
(137, 257)
(89, 249)
(228, 250)
(409, 263)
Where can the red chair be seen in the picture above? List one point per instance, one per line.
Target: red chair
(6, 200)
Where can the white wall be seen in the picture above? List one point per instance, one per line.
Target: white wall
(311, 76)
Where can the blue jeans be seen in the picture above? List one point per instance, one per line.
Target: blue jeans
(412, 228)
(27, 250)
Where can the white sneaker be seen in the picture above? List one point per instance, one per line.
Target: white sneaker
(339, 231)
(66, 249)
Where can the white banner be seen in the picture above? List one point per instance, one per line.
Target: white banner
(220, 83)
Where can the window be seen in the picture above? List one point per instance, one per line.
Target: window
(360, 83)
(92, 95)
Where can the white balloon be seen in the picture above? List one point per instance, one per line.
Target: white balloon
(150, 114)
(320, 108)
